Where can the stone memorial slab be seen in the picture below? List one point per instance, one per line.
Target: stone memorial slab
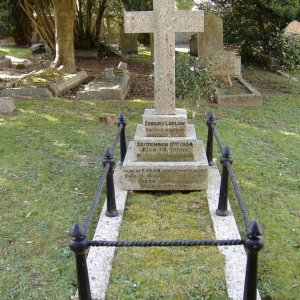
(28, 92)
(102, 88)
(252, 98)
(166, 148)
(2, 55)
(86, 54)
(165, 176)
(7, 105)
(164, 21)
(71, 81)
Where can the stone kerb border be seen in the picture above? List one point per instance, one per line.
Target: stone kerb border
(254, 98)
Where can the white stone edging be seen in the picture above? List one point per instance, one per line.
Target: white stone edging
(226, 228)
(99, 260)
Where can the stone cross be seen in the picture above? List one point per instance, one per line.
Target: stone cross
(164, 21)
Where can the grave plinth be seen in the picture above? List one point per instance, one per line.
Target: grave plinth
(165, 154)
(161, 159)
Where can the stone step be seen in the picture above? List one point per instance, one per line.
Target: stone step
(166, 148)
(165, 176)
(165, 125)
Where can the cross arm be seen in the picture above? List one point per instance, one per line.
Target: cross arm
(139, 21)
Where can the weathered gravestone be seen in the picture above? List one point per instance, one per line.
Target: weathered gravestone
(128, 43)
(209, 44)
(165, 153)
(7, 105)
(109, 87)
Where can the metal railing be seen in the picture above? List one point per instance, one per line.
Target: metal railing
(253, 241)
(79, 242)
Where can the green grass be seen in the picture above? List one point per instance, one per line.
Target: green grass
(51, 153)
(173, 272)
(51, 158)
(143, 57)
(15, 51)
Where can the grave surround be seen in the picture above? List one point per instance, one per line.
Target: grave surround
(165, 153)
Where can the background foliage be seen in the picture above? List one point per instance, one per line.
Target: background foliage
(193, 77)
(251, 25)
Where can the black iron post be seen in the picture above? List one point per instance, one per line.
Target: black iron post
(253, 243)
(110, 187)
(210, 137)
(78, 245)
(123, 147)
(222, 206)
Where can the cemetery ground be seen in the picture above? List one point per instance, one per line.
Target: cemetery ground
(51, 159)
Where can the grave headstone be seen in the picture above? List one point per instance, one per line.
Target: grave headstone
(2, 55)
(293, 27)
(122, 66)
(7, 105)
(165, 153)
(109, 73)
(128, 43)
(211, 40)
(209, 44)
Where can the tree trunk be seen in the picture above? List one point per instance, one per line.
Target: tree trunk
(65, 12)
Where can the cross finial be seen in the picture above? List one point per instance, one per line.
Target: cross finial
(164, 21)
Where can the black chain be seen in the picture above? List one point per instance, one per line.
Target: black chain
(96, 198)
(218, 139)
(117, 138)
(187, 243)
(238, 194)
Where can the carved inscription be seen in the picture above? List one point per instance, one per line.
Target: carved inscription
(165, 151)
(165, 128)
(165, 179)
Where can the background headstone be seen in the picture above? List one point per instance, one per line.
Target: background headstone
(7, 105)
(209, 44)
(211, 40)
(128, 43)
(293, 27)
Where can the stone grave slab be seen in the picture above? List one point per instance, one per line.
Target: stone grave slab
(252, 98)
(86, 54)
(5, 62)
(166, 148)
(7, 105)
(71, 81)
(165, 176)
(2, 55)
(28, 92)
(102, 88)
